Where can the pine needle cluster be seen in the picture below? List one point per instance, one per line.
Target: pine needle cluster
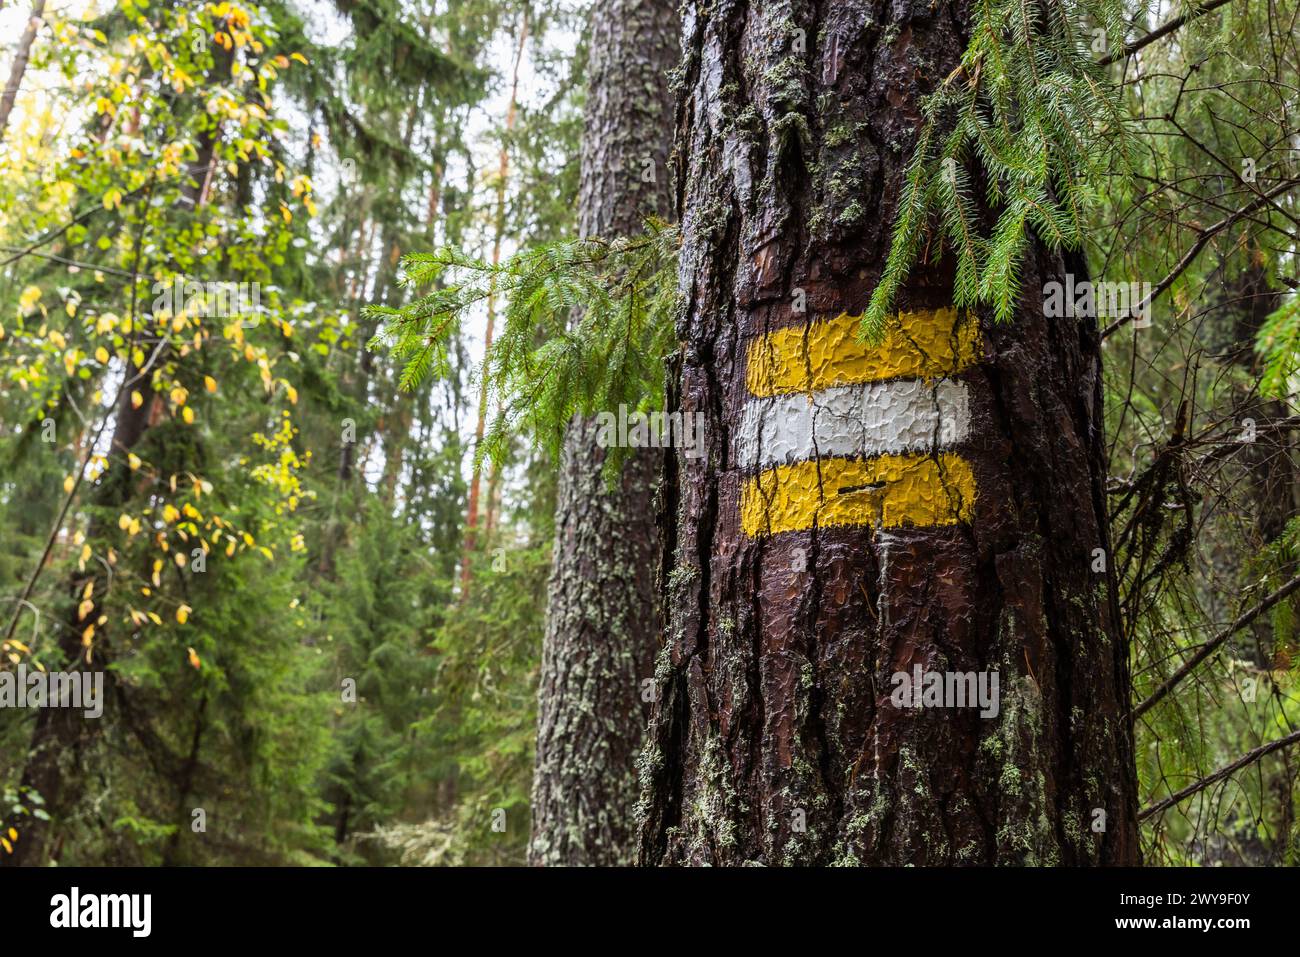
(1028, 118)
(585, 326)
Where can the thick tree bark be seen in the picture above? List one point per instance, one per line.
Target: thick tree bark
(947, 521)
(602, 623)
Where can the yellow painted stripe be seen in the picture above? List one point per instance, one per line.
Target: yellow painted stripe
(920, 490)
(924, 344)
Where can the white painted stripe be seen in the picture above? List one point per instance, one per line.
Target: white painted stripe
(866, 419)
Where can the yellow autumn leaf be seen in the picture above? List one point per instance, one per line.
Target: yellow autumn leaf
(133, 460)
(29, 298)
(210, 383)
(101, 355)
(183, 613)
(69, 483)
(195, 661)
(170, 513)
(84, 609)
(188, 415)
(124, 521)
(88, 636)
(137, 400)
(4, 842)
(180, 557)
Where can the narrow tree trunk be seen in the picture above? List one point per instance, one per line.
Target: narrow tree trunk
(19, 67)
(1269, 464)
(602, 619)
(934, 501)
(498, 233)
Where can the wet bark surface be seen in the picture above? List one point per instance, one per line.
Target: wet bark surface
(774, 739)
(603, 623)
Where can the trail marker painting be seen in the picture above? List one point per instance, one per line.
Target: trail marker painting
(838, 432)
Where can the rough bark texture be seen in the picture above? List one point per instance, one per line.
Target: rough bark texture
(602, 624)
(774, 739)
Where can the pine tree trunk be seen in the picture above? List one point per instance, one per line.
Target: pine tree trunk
(471, 542)
(602, 623)
(949, 521)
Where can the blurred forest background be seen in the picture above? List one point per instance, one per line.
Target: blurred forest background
(299, 514)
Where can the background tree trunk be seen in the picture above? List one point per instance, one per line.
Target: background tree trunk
(22, 54)
(471, 543)
(602, 620)
(774, 738)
